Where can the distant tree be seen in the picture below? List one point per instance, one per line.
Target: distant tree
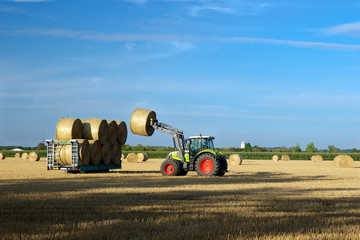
(40, 146)
(248, 147)
(296, 148)
(333, 149)
(311, 147)
(354, 150)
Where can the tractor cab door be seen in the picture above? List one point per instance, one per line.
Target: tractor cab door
(198, 144)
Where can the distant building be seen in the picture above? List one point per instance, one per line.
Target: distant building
(243, 145)
(17, 149)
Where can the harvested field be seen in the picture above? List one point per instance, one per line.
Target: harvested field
(259, 199)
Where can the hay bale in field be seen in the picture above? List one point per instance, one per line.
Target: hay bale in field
(34, 157)
(275, 158)
(343, 161)
(116, 153)
(24, 156)
(17, 155)
(106, 153)
(317, 159)
(122, 156)
(95, 152)
(113, 131)
(235, 159)
(132, 158)
(142, 157)
(69, 128)
(65, 153)
(2, 156)
(95, 129)
(285, 157)
(140, 122)
(122, 132)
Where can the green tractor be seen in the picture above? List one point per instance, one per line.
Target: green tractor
(193, 154)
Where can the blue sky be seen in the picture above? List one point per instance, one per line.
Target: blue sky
(272, 73)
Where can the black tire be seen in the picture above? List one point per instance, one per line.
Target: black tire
(170, 168)
(224, 166)
(207, 165)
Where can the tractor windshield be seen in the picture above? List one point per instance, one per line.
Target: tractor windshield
(199, 144)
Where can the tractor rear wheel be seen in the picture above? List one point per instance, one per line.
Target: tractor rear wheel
(170, 168)
(224, 166)
(207, 165)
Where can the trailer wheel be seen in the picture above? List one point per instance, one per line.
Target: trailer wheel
(170, 168)
(207, 165)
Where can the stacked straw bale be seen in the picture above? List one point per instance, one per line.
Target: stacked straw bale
(34, 157)
(106, 153)
(343, 161)
(116, 153)
(17, 155)
(95, 152)
(142, 157)
(24, 156)
(275, 158)
(122, 132)
(317, 159)
(2, 156)
(132, 158)
(69, 128)
(285, 157)
(65, 153)
(95, 129)
(235, 159)
(113, 131)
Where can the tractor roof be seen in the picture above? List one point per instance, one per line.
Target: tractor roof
(199, 137)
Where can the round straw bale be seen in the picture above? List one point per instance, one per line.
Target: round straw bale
(68, 128)
(17, 155)
(122, 132)
(275, 158)
(34, 157)
(113, 131)
(95, 152)
(285, 157)
(116, 153)
(106, 153)
(95, 129)
(316, 159)
(140, 122)
(2, 156)
(235, 159)
(84, 153)
(132, 158)
(24, 156)
(142, 157)
(122, 156)
(343, 161)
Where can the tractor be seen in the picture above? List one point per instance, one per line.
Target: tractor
(196, 153)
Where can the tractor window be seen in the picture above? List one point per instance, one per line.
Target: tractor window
(211, 144)
(195, 146)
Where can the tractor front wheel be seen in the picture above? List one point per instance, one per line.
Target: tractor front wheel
(170, 168)
(208, 165)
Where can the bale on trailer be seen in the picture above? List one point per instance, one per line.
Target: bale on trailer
(84, 152)
(69, 128)
(343, 161)
(275, 158)
(142, 157)
(24, 156)
(17, 155)
(116, 153)
(317, 159)
(132, 158)
(106, 153)
(95, 152)
(140, 122)
(2, 156)
(95, 129)
(235, 159)
(113, 131)
(122, 132)
(34, 157)
(285, 157)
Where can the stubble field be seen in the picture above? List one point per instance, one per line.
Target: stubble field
(260, 199)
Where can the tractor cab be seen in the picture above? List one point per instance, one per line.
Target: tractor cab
(200, 143)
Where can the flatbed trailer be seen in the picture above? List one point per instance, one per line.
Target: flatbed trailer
(53, 157)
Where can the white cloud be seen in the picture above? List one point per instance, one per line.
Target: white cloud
(183, 45)
(138, 2)
(30, 1)
(352, 29)
(182, 41)
(130, 46)
(197, 10)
